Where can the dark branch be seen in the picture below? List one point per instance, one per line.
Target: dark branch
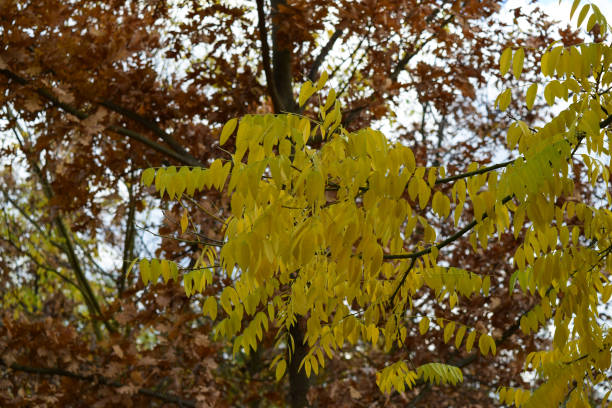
(475, 172)
(281, 62)
(447, 241)
(96, 378)
(152, 126)
(312, 74)
(45, 93)
(265, 53)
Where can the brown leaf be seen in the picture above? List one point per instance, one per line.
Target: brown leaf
(117, 350)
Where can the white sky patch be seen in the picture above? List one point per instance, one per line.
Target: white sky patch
(559, 12)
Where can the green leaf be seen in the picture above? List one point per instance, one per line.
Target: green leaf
(504, 61)
(228, 129)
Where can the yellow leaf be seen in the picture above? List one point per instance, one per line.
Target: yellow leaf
(459, 336)
(210, 307)
(431, 177)
(583, 14)
(165, 270)
(129, 269)
(531, 94)
(147, 176)
(184, 221)
(492, 345)
(280, 369)
(517, 62)
(503, 100)
(322, 80)
(469, 343)
(424, 325)
(306, 130)
(483, 345)
(486, 285)
(144, 271)
(306, 92)
(228, 129)
(574, 7)
(424, 193)
(154, 270)
(504, 61)
(448, 331)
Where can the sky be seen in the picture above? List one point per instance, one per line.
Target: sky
(558, 11)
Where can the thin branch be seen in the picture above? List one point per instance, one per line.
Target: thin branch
(401, 64)
(152, 126)
(447, 241)
(87, 291)
(128, 243)
(33, 222)
(475, 172)
(37, 263)
(605, 122)
(312, 74)
(102, 380)
(412, 262)
(48, 95)
(213, 242)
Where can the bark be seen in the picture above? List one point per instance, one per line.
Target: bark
(298, 381)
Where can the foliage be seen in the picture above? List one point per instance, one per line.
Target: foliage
(321, 233)
(317, 227)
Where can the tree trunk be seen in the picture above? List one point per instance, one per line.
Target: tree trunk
(298, 381)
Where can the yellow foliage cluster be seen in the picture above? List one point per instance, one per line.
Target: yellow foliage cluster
(320, 233)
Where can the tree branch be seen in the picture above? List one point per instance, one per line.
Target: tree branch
(128, 243)
(281, 63)
(401, 64)
(152, 126)
(86, 290)
(48, 95)
(475, 172)
(265, 54)
(312, 73)
(607, 121)
(102, 380)
(447, 241)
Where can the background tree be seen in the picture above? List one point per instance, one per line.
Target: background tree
(96, 93)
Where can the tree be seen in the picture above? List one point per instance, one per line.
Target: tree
(83, 81)
(320, 242)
